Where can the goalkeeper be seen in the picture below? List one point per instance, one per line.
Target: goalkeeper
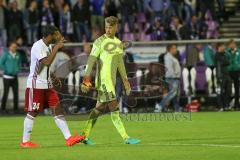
(107, 53)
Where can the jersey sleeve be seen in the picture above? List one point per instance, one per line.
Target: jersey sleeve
(38, 52)
(95, 52)
(121, 67)
(2, 60)
(96, 49)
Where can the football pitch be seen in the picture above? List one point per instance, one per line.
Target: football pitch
(201, 136)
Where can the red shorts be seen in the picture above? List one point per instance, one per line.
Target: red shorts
(37, 99)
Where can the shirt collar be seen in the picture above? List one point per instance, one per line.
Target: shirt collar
(13, 54)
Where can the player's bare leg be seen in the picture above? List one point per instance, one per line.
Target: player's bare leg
(62, 125)
(60, 122)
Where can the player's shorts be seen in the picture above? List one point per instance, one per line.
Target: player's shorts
(37, 99)
(106, 107)
(106, 94)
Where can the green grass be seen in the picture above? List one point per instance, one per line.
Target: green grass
(208, 136)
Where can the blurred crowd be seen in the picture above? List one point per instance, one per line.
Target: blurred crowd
(83, 20)
(212, 69)
(22, 21)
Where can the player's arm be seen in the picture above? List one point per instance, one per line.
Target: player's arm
(89, 67)
(123, 74)
(49, 59)
(92, 60)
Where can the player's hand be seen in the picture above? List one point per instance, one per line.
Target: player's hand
(86, 84)
(56, 81)
(127, 87)
(60, 43)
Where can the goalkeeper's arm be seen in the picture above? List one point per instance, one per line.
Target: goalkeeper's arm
(123, 74)
(86, 85)
(95, 52)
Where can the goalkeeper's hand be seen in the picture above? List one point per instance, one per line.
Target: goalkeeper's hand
(127, 86)
(86, 84)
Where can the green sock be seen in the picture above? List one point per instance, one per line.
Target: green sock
(119, 124)
(91, 122)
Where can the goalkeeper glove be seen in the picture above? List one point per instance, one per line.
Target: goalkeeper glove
(127, 86)
(86, 84)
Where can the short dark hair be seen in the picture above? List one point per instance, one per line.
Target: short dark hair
(169, 46)
(11, 43)
(49, 30)
(219, 45)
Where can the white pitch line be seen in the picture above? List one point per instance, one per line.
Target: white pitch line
(194, 144)
(183, 144)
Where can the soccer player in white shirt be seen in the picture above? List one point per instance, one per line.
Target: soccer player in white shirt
(40, 90)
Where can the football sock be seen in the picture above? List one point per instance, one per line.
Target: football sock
(119, 125)
(27, 128)
(91, 122)
(62, 125)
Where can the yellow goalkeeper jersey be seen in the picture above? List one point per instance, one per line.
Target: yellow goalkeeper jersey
(107, 53)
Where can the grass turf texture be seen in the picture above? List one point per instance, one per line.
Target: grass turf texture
(209, 135)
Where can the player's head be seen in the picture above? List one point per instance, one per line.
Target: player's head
(51, 33)
(172, 48)
(13, 47)
(111, 25)
(220, 47)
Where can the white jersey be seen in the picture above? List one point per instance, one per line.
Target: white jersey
(39, 76)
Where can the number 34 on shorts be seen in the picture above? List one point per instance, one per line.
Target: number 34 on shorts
(36, 106)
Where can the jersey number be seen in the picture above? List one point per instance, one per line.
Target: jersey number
(36, 106)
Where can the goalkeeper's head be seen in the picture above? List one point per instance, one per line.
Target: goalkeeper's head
(111, 26)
